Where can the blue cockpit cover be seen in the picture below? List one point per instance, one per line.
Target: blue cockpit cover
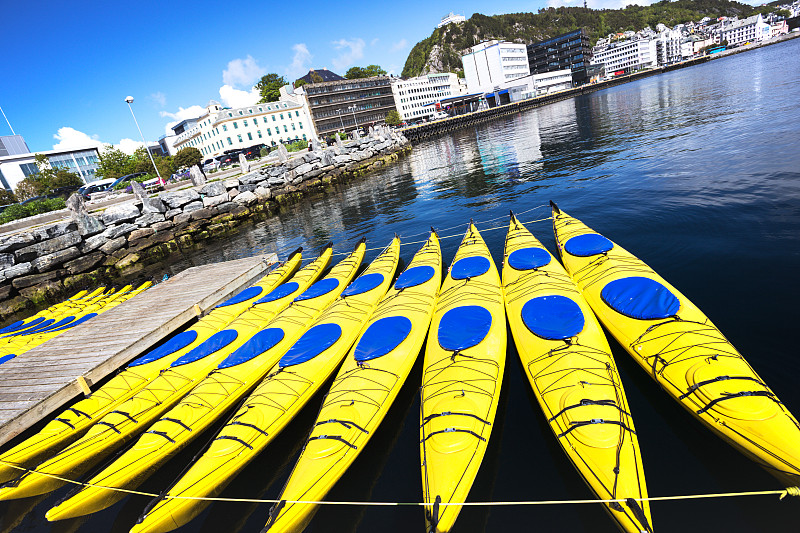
(45, 324)
(19, 324)
(216, 342)
(414, 276)
(258, 344)
(642, 298)
(44, 327)
(528, 258)
(469, 267)
(81, 320)
(364, 283)
(318, 289)
(279, 292)
(382, 337)
(464, 327)
(178, 342)
(311, 344)
(588, 244)
(8, 357)
(248, 293)
(553, 317)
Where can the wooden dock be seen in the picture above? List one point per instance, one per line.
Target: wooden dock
(42, 380)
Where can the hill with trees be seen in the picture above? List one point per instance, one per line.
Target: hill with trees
(441, 52)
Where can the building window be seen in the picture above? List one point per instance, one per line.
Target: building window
(230, 114)
(240, 112)
(230, 142)
(240, 138)
(249, 136)
(259, 134)
(301, 127)
(281, 116)
(285, 129)
(265, 120)
(224, 127)
(235, 126)
(273, 118)
(245, 123)
(304, 137)
(297, 113)
(29, 169)
(293, 128)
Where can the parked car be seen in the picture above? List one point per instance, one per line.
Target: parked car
(254, 151)
(228, 159)
(126, 179)
(210, 164)
(96, 186)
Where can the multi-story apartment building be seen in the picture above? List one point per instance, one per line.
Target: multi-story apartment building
(19, 165)
(625, 57)
(668, 47)
(491, 64)
(222, 129)
(415, 98)
(568, 51)
(346, 104)
(751, 29)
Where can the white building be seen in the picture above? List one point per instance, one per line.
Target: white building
(221, 129)
(668, 47)
(752, 29)
(15, 168)
(451, 19)
(414, 97)
(493, 63)
(624, 57)
(778, 28)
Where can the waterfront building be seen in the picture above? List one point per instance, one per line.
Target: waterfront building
(778, 28)
(752, 29)
(668, 47)
(568, 51)
(494, 63)
(347, 104)
(624, 57)
(417, 97)
(220, 130)
(529, 87)
(451, 18)
(18, 166)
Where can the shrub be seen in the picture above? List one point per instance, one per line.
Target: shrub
(264, 152)
(297, 146)
(37, 207)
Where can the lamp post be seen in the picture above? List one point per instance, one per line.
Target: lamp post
(129, 100)
(353, 109)
(339, 112)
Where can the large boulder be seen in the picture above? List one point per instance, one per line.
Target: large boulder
(115, 231)
(211, 201)
(193, 206)
(177, 199)
(148, 219)
(47, 262)
(213, 189)
(20, 269)
(120, 213)
(48, 247)
(246, 198)
(14, 242)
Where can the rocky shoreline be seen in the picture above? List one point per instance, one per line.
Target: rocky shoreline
(52, 262)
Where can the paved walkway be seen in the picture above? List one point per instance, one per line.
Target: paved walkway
(41, 381)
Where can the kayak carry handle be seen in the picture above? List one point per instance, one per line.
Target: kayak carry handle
(361, 241)
(555, 207)
(299, 250)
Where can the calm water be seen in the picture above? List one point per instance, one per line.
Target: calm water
(696, 171)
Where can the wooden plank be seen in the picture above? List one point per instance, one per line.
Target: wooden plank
(42, 380)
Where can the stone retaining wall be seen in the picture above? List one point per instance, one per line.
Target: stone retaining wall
(54, 261)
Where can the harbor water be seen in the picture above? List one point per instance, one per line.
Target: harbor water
(696, 171)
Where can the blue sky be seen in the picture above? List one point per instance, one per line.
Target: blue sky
(68, 66)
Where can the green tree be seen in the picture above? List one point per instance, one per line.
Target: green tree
(187, 157)
(354, 73)
(299, 83)
(26, 188)
(47, 179)
(374, 70)
(7, 197)
(142, 163)
(115, 163)
(269, 87)
(393, 118)
(315, 78)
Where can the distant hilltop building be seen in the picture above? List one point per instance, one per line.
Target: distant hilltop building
(451, 18)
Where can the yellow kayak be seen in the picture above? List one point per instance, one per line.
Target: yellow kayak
(574, 377)
(134, 415)
(69, 317)
(289, 384)
(364, 389)
(47, 313)
(73, 422)
(680, 348)
(462, 374)
(260, 335)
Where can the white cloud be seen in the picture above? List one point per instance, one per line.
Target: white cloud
(159, 98)
(180, 115)
(233, 97)
(374, 41)
(300, 62)
(70, 139)
(352, 52)
(242, 72)
(399, 45)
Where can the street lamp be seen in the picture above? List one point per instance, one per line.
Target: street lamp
(129, 100)
(339, 112)
(353, 109)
